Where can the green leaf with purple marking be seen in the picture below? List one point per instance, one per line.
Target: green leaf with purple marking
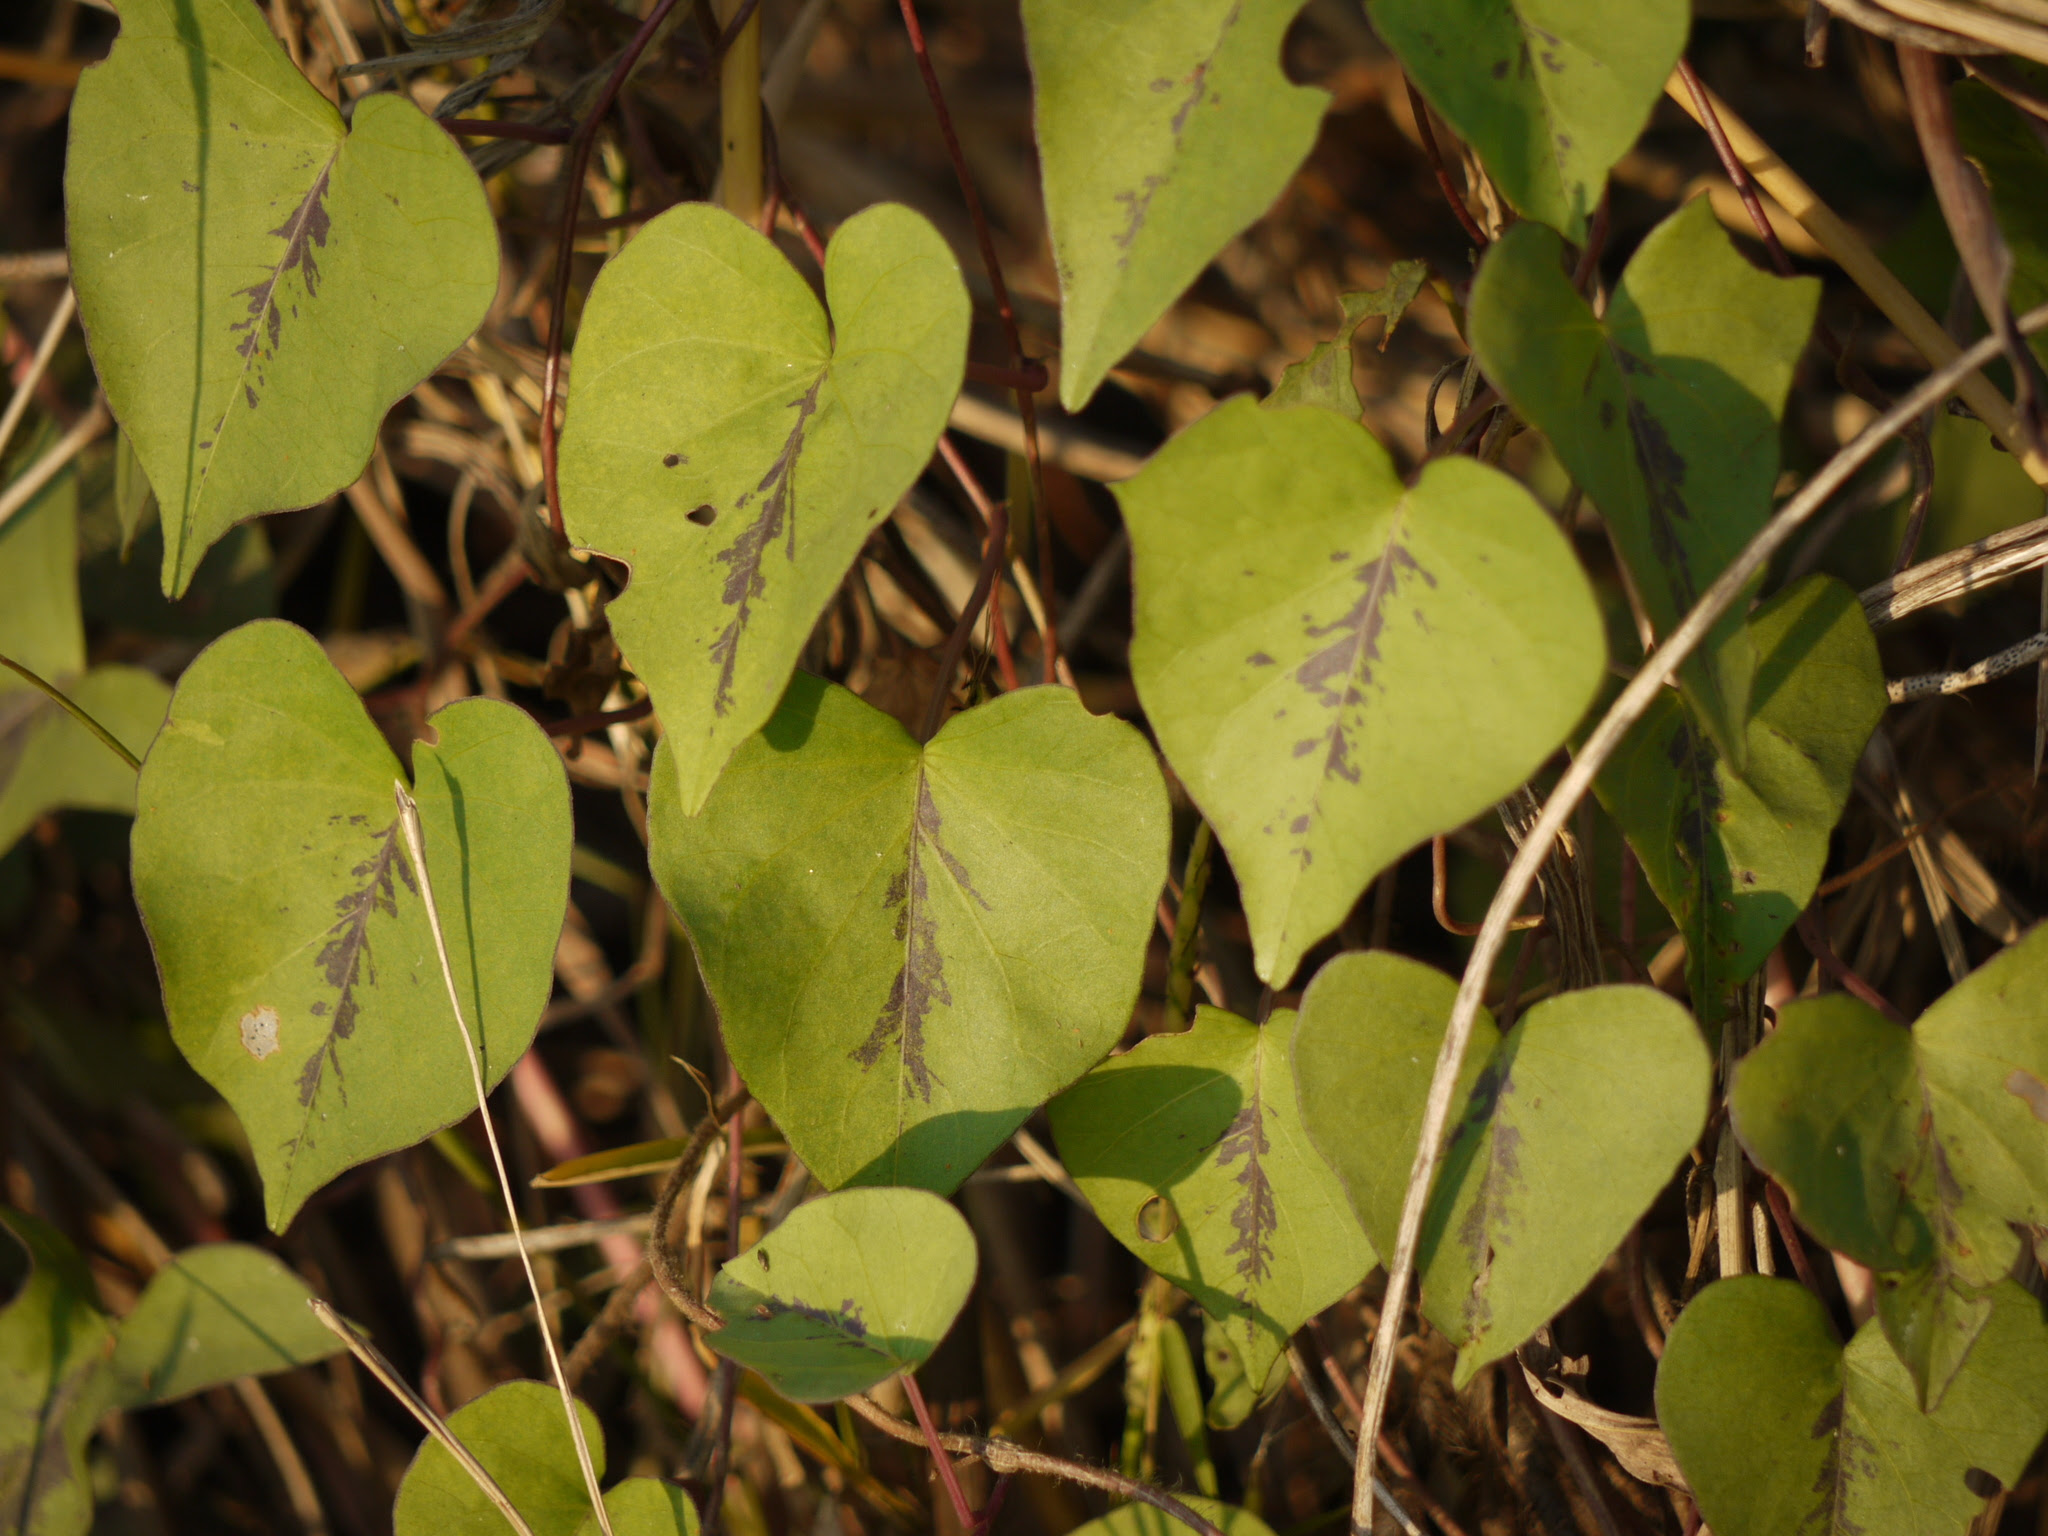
(1550, 92)
(1569, 1125)
(297, 962)
(1913, 1151)
(1338, 664)
(259, 281)
(1779, 1428)
(850, 1290)
(1191, 1149)
(1165, 127)
(1735, 851)
(912, 948)
(1665, 410)
(1324, 376)
(736, 447)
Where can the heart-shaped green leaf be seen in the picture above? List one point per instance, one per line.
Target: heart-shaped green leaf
(912, 948)
(736, 448)
(47, 759)
(1162, 132)
(259, 282)
(1324, 376)
(1778, 1428)
(1339, 665)
(1665, 411)
(1550, 92)
(1141, 1519)
(1572, 1123)
(1911, 1150)
(1191, 1149)
(850, 1290)
(53, 1344)
(645, 1506)
(519, 1434)
(212, 1314)
(298, 966)
(1735, 852)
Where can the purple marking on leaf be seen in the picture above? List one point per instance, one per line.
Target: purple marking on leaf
(1490, 1221)
(307, 228)
(847, 1319)
(1137, 204)
(745, 579)
(921, 979)
(1256, 1215)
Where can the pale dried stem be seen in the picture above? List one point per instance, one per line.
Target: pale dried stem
(1647, 685)
(53, 333)
(51, 464)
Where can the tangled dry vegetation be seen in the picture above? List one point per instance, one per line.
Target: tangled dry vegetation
(432, 579)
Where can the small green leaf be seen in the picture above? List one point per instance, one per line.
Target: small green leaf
(852, 1289)
(48, 760)
(1665, 411)
(736, 448)
(1339, 665)
(1572, 1123)
(298, 966)
(912, 948)
(1191, 1149)
(1911, 1150)
(1735, 853)
(1233, 1394)
(632, 1161)
(1324, 376)
(53, 1343)
(1163, 131)
(1140, 1519)
(518, 1433)
(134, 501)
(1779, 1429)
(645, 1506)
(1550, 92)
(259, 282)
(211, 1315)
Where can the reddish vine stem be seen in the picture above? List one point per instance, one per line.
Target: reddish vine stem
(1736, 171)
(1027, 408)
(948, 1475)
(1436, 163)
(1816, 940)
(956, 643)
(502, 582)
(583, 725)
(490, 128)
(1005, 663)
(1795, 1245)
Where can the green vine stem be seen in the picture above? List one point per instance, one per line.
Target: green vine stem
(739, 112)
(1180, 964)
(71, 708)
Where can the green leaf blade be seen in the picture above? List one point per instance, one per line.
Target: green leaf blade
(258, 283)
(215, 1313)
(1163, 131)
(519, 1435)
(1337, 665)
(853, 1288)
(736, 449)
(53, 1388)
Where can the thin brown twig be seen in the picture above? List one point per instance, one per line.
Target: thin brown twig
(956, 643)
(1027, 408)
(1815, 938)
(1436, 164)
(661, 1258)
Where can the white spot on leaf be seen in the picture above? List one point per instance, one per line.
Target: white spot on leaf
(259, 1031)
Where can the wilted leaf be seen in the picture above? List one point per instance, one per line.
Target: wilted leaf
(298, 967)
(736, 448)
(1734, 852)
(1339, 665)
(1550, 92)
(1665, 411)
(1780, 1429)
(1911, 1150)
(1191, 1149)
(521, 1437)
(213, 1314)
(259, 282)
(1324, 376)
(911, 948)
(850, 1290)
(1571, 1124)
(1163, 130)
(53, 1344)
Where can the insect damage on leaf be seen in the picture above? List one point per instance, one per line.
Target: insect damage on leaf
(921, 979)
(1663, 470)
(1493, 1206)
(1256, 1214)
(345, 956)
(307, 228)
(745, 579)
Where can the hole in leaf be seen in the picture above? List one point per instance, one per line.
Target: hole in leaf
(703, 516)
(761, 1254)
(1981, 1483)
(1157, 1219)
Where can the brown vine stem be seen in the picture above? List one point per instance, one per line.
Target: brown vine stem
(1006, 1458)
(661, 1258)
(1436, 164)
(1647, 685)
(998, 514)
(1005, 663)
(1027, 408)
